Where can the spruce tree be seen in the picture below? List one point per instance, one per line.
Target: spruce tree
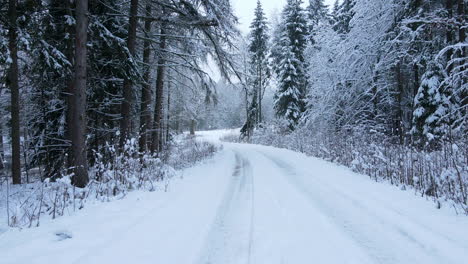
(343, 17)
(259, 69)
(431, 105)
(50, 74)
(316, 11)
(290, 97)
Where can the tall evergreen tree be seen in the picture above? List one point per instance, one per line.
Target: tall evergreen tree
(431, 104)
(316, 11)
(343, 16)
(290, 97)
(258, 52)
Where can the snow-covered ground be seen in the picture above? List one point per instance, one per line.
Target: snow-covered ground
(252, 204)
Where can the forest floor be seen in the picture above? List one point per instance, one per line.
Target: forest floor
(252, 204)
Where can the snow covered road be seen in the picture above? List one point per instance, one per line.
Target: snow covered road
(253, 204)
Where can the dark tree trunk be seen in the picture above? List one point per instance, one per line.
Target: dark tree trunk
(192, 127)
(14, 87)
(168, 106)
(78, 126)
(1, 145)
(415, 89)
(399, 94)
(127, 93)
(461, 20)
(260, 94)
(145, 116)
(158, 107)
(449, 33)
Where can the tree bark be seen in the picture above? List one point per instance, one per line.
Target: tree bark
(399, 94)
(461, 19)
(1, 145)
(145, 115)
(192, 127)
(158, 107)
(168, 105)
(449, 33)
(128, 85)
(78, 126)
(14, 88)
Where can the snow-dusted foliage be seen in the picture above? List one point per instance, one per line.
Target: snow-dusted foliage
(386, 93)
(288, 55)
(288, 97)
(440, 175)
(430, 106)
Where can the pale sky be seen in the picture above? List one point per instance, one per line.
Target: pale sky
(244, 10)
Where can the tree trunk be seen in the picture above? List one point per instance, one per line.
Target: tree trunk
(1, 145)
(145, 116)
(168, 105)
(14, 87)
(78, 126)
(449, 36)
(399, 94)
(461, 20)
(192, 127)
(127, 93)
(260, 96)
(158, 107)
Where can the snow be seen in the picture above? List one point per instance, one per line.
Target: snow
(252, 204)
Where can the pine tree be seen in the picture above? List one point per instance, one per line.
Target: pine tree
(294, 18)
(276, 46)
(431, 105)
(107, 33)
(258, 52)
(343, 17)
(334, 13)
(50, 73)
(290, 97)
(316, 11)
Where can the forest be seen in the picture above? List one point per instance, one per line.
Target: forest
(93, 86)
(233, 131)
(378, 86)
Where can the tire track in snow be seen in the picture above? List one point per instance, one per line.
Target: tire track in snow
(230, 237)
(382, 251)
